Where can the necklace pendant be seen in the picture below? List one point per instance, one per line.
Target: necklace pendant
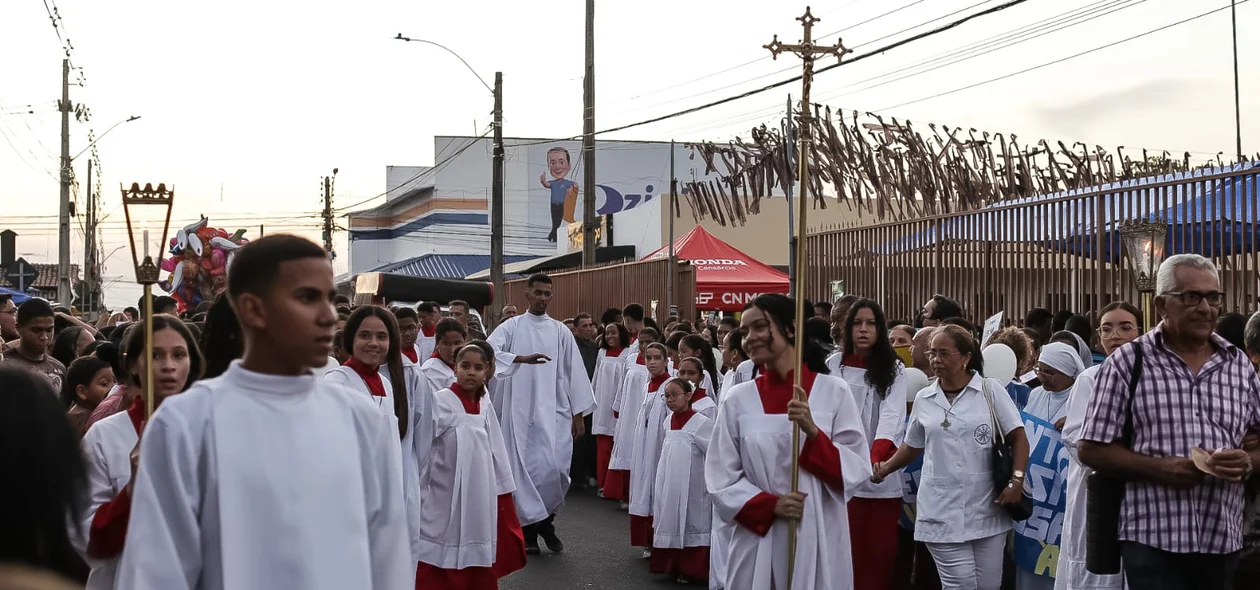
(945, 422)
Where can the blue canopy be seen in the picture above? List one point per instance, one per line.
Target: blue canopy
(18, 296)
(1213, 218)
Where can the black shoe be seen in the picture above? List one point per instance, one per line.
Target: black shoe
(533, 549)
(554, 544)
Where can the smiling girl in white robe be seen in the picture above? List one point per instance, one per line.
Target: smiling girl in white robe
(680, 504)
(610, 372)
(469, 533)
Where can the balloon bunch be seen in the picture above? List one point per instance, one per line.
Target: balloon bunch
(200, 256)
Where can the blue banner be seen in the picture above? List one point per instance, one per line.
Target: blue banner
(1036, 547)
(909, 491)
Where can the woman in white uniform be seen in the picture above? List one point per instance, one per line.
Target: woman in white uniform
(1119, 324)
(109, 444)
(747, 471)
(960, 516)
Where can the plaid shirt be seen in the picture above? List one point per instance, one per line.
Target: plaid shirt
(1174, 410)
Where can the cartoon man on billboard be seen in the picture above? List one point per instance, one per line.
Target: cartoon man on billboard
(563, 191)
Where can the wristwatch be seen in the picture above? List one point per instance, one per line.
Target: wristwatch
(1017, 474)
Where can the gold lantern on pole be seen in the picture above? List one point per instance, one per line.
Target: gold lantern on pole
(1144, 248)
(147, 270)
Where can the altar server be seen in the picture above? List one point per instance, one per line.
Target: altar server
(681, 506)
(610, 372)
(649, 433)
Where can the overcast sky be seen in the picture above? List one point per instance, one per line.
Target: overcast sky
(247, 104)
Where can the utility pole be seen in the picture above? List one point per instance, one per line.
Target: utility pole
(671, 269)
(1233, 14)
(63, 230)
(328, 215)
(496, 207)
(90, 275)
(588, 143)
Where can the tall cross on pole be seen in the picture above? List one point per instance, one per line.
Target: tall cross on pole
(808, 51)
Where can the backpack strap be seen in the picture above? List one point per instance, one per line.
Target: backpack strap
(1126, 436)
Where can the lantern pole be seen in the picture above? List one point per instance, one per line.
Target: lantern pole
(147, 271)
(807, 51)
(1143, 243)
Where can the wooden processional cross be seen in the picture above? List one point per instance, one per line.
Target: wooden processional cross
(808, 51)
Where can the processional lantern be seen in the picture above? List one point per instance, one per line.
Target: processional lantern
(1143, 242)
(147, 270)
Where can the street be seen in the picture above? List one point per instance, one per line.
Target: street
(597, 552)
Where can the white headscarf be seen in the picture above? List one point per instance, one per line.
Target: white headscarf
(1062, 358)
(1082, 348)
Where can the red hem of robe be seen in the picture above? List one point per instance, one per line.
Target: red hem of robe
(874, 521)
(691, 562)
(757, 515)
(617, 485)
(821, 459)
(882, 450)
(641, 532)
(510, 552)
(108, 533)
(603, 455)
(429, 577)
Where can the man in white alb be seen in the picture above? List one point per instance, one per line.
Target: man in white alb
(540, 409)
(266, 477)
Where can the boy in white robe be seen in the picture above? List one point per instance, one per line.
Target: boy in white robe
(241, 471)
(680, 504)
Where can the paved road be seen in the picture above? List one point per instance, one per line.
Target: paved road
(597, 553)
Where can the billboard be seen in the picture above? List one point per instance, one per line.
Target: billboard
(544, 188)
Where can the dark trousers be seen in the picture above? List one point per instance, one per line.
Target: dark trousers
(582, 467)
(557, 216)
(1247, 576)
(532, 531)
(1148, 568)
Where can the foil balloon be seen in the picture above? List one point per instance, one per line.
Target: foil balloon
(198, 263)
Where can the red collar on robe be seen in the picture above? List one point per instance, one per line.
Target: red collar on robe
(854, 360)
(371, 376)
(613, 351)
(776, 392)
(136, 413)
(437, 356)
(697, 396)
(639, 359)
(472, 403)
(656, 382)
(679, 419)
(411, 354)
(428, 331)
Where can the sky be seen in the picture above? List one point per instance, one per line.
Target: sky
(245, 106)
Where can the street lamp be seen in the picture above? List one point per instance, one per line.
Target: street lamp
(102, 136)
(1143, 243)
(147, 271)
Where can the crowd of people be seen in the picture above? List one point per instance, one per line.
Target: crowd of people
(302, 441)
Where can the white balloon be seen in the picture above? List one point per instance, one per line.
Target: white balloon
(999, 363)
(916, 380)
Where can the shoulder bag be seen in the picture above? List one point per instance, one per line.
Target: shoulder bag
(1004, 464)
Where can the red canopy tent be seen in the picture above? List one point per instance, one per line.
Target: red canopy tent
(726, 279)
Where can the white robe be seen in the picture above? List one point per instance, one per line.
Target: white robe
(415, 445)
(107, 456)
(1071, 573)
(424, 346)
(267, 481)
(882, 418)
(627, 405)
(649, 434)
(750, 453)
(538, 405)
(742, 373)
(345, 377)
(680, 504)
(468, 471)
(610, 372)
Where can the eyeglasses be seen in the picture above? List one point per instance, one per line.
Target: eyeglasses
(666, 396)
(942, 354)
(1122, 329)
(1193, 298)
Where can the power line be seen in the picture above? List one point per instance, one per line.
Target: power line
(431, 170)
(1058, 61)
(781, 83)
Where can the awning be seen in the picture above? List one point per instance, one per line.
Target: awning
(726, 278)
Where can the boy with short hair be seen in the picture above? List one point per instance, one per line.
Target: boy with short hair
(266, 477)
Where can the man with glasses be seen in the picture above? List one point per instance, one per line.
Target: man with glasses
(8, 319)
(1179, 527)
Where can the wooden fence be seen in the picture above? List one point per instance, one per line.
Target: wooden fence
(594, 290)
(1048, 251)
